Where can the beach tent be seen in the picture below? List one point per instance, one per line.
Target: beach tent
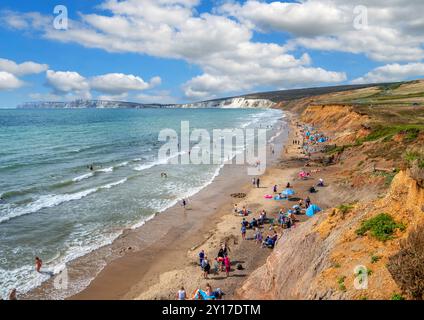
(312, 209)
(288, 192)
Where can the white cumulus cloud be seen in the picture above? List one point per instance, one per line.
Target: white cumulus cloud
(392, 72)
(9, 81)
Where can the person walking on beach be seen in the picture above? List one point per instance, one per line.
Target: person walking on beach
(181, 294)
(184, 203)
(258, 181)
(243, 231)
(201, 256)
(206, 267)
(38, 264)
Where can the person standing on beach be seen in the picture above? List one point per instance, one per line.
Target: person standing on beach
(275, 189)
(38, 264)
(243, 231)
(181, 294)
(184, 203)
(254, 181)
(258, 181)
(206, 267)
(201, 256)
(227, 265)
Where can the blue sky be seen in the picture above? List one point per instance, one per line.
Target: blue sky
(190, 50)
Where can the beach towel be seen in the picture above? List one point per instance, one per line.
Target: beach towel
(204, 295)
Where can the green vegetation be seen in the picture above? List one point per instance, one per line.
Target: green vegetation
(381, 227)
(337, 149)
(345, 208)
(397, 296)
(389, 176)
(410, 132)
(375, 258)
(412, 156)
(341, 283)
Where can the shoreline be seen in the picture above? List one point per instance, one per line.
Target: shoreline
(136, 249)
(225, 228)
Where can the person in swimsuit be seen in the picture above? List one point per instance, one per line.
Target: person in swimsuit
(38, 264)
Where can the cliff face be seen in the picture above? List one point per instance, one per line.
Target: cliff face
(341, 121)
(231, 103)
(308, 262)
(319, 258)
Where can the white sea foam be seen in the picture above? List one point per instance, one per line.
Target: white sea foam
(53, 200)
(146, 166)
(83, 177)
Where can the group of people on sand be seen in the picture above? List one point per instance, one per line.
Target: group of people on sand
(199, 294)
(256, 182)
(222, 262)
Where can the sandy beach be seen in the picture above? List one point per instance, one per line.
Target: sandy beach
(160, 268)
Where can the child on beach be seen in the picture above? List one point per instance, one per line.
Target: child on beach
(181, 294)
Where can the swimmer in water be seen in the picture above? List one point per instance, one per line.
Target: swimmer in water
(38, 264)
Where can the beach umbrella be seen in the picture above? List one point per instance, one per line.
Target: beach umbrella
(288, 192)
(312, 209)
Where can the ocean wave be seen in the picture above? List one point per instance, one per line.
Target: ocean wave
(106, 170)
(16, 193)
(83, 177)
(53, 200)
(146, 166)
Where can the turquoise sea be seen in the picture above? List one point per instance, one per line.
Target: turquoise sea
(53, 206)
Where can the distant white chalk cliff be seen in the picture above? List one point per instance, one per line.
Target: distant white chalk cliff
(240, 102)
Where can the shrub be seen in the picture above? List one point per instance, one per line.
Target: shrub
(345, 208)
(407, 266)
(375, 259)
(386, 133)
(341, 283)
(381, 227)
(397, 296)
